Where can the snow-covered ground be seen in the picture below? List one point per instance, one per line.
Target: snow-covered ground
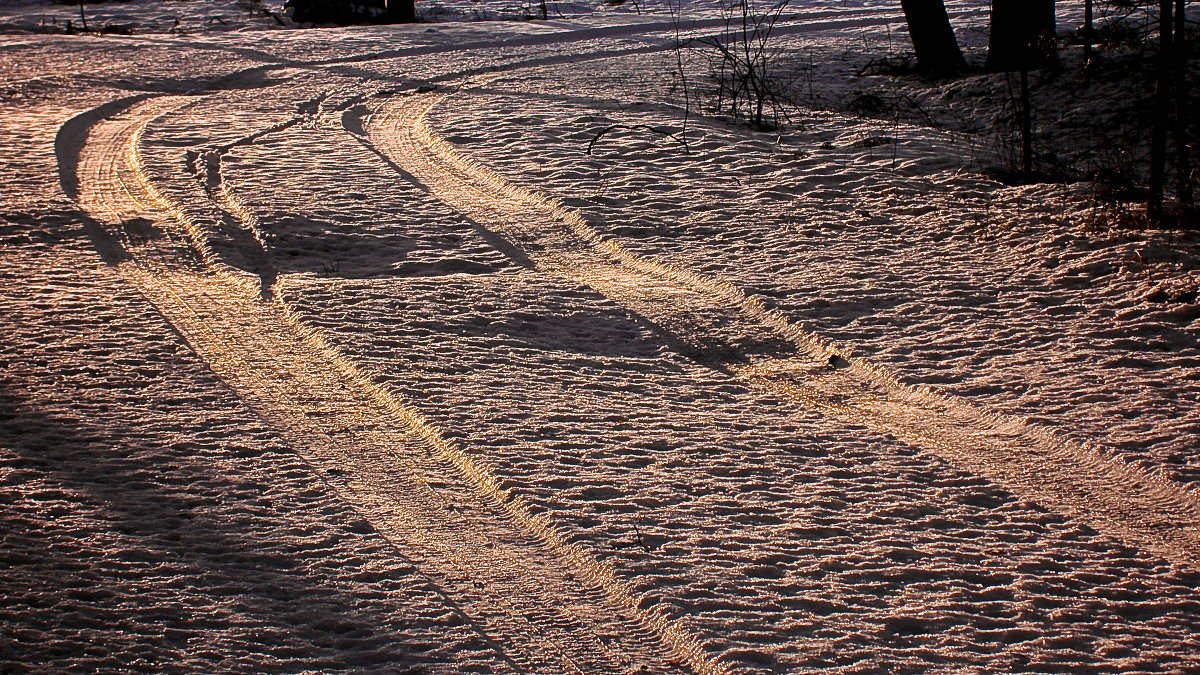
(337, 350)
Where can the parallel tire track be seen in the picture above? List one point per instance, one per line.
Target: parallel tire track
(683, 646)
(721, 326)
(543, 601)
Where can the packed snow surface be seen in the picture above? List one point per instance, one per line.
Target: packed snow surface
(490, 347)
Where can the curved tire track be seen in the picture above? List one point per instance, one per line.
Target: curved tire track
(719, 325)
(506, 568)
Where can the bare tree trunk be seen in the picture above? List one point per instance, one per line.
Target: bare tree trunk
(1022, 34)
(1087, 32)
(1026, 129)
(82, 18)
(401, 11)
(932, 37)
(1162, 104)
(1183, 160)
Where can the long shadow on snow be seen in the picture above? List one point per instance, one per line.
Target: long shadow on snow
(580, 322)
(168, 506)
(300, 244)
(353, 122)
(513, 312)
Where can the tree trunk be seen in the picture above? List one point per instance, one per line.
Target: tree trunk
(1088, 33)
(1022, 34)
(932, 37)
(1183, 145)
(401, 11)
(1026, 130)
(1162, 104)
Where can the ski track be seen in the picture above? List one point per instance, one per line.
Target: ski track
(457, 526)
(720, 326)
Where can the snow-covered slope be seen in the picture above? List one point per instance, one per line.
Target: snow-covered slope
(338, 351)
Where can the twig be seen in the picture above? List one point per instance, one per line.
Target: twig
(655, 130)
(640, 542)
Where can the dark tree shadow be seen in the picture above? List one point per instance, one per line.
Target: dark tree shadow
(167, 506)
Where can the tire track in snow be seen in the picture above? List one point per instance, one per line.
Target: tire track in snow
(542, 601)
(719, 325)
(683, 646)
